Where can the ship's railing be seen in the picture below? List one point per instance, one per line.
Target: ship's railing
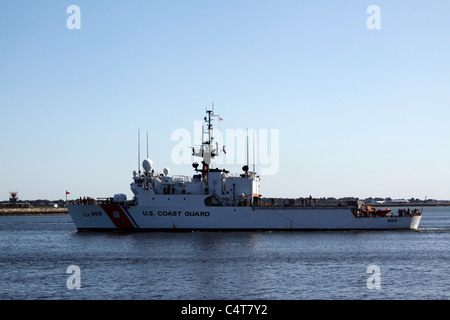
(101, 201)
(285, 203)
(301, 202)
(363, 213)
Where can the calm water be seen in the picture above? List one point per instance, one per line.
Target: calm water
(35, 252)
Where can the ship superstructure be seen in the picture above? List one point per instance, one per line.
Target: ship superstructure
(214, 186)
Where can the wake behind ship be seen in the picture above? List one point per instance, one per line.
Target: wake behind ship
(213, 199)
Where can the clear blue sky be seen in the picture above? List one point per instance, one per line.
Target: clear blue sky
(360, 112)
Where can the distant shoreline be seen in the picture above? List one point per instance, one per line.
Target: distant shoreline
(34, 211)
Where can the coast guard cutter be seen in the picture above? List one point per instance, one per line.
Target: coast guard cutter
(213, 199)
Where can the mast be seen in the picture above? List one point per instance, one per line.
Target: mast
(209, 127)
(139, 152)
(247, 149)
(253, 144)
(206, 151)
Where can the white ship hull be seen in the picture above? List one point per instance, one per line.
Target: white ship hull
(181, 218)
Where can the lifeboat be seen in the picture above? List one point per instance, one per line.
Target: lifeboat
(372, 211)
(381, 212)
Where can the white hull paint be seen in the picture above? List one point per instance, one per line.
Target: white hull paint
(179, 218)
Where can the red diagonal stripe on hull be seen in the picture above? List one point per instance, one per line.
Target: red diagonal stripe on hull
(117, 216)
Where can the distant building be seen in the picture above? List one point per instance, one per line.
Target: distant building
(399, 201)
(13, 196)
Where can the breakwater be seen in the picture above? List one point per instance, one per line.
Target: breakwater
(32, 211)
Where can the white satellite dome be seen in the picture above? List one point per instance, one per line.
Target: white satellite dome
(147, 164)
(166, 171)
(120, 197)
